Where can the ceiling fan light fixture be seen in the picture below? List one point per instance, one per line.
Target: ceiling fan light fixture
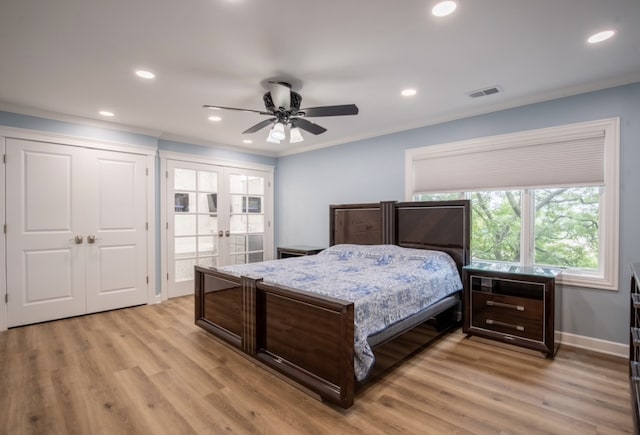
(271, 139)
(288, 114)
(277, 132)
(295, 135)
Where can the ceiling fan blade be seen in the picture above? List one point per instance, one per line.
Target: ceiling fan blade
(345, 109)
(307, 126)
(261, 112)
(259, 126)
(281, 94)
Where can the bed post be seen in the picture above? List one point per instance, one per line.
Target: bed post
(388, 211)
(249, 344)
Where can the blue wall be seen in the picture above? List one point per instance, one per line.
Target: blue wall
(373, 170)
(9, 119)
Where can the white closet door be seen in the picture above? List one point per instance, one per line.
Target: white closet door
(115, 216)
(45, 265)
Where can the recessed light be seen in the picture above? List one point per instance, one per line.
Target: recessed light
(106, 113)
(443, 9)
(145, 74)
(215, 118)
(408, 92)
(601, 36)
(247, 141)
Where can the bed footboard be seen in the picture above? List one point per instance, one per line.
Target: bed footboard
(307, 337)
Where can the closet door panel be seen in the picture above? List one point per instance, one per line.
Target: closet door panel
(116, 230)
(45, 262)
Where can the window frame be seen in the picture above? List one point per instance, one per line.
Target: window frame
(607, 277)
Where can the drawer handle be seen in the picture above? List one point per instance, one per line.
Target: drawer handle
(508, 325)
(501, 305)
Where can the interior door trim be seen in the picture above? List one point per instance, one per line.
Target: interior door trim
(190, 158)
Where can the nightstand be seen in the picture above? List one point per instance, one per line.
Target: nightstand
(297, 251)
(512, 304)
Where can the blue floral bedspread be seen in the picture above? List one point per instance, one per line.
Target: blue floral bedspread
(386, 283)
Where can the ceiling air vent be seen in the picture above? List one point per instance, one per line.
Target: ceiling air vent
(483, 92)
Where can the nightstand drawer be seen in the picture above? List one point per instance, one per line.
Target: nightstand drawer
(511, 315)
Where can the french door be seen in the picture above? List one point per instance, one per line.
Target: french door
(216, 216)
(76, 221)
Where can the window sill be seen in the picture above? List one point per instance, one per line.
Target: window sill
(566, 278)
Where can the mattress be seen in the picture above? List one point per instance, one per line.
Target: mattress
(386, 284)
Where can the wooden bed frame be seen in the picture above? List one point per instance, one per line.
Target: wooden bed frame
(307, 337)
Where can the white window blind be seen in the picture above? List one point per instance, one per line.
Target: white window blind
(515, 162)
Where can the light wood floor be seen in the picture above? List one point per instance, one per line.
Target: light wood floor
(150, 370)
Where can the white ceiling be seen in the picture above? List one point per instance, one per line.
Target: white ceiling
(68, 59)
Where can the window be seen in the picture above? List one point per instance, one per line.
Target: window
(496, 225)
(566, 227)
(544, 197)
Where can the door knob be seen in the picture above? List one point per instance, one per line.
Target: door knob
(226, 233)
(91, 238)
(220, 233)
(78, 240)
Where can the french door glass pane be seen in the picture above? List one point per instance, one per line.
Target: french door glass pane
(207, 246)
(236, 203)
(207, 202)
(496, 225)
(256, 242)
(255, 185)
(185, 247)
(184, 202)
(185, 225)
(252, 204)
(238, 224)
(237, 243)
(256, 224)
(207, 224)
(238, 259)
(207, 181)
(566, 227)
(237, 183)
(184, 179)
(255, 257)
(208, 261)
(184, 270)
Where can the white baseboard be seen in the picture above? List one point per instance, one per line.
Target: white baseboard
(594, 344)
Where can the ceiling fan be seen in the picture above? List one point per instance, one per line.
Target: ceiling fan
(283, 105)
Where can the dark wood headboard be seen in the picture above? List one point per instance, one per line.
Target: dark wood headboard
(437, 225)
